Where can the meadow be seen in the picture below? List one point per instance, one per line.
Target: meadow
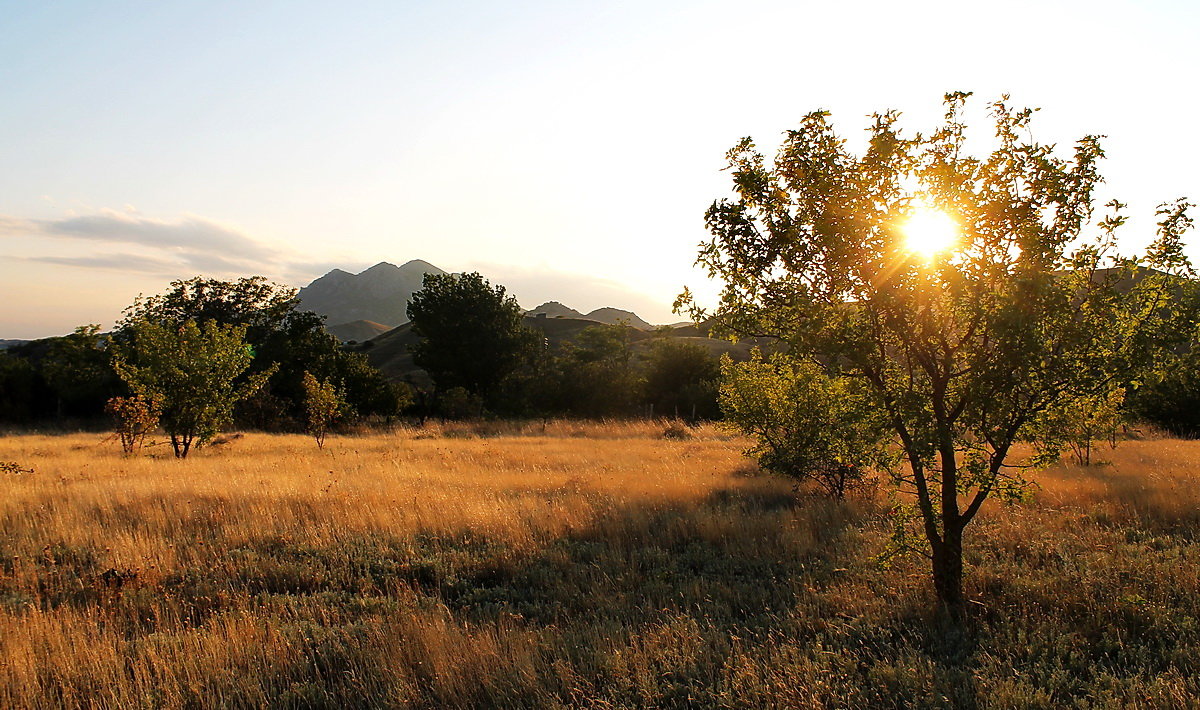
(571, 565)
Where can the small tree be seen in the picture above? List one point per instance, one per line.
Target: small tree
(323, 406)
(805, 424)
(1077, 424)
(283, 337)
(135, 418)
(192, 371)
(967, 293)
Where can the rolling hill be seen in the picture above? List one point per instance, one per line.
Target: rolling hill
(357, 331)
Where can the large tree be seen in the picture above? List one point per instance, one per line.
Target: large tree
(472, 333)
(968, 294)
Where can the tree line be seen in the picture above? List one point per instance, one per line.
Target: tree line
(211, 327)
(250, 357)
(482, 357)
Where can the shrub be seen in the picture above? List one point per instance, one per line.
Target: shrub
(805, 424)
(135, 418)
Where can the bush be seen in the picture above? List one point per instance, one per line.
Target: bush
(135, 418)
(805, 425)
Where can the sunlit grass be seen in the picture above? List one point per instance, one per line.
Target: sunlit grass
(583, 565)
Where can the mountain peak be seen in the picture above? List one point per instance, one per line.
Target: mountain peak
(420, 265)
(554, 309)
(616, 316)
(381, 267)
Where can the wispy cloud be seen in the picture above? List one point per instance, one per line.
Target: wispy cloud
(172, 246)
(112, 262)
(189, 232)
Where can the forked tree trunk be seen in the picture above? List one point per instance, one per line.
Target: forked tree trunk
(181, 443)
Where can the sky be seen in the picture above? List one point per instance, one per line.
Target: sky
(566, 150)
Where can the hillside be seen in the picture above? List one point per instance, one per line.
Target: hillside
(379, 294)
(390, 351)
(554, 309)
(357, 331)
(609, 316)
(616, 316)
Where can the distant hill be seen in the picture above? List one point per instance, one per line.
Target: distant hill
(380, 294)
(554, 309)
(6, 344)
(614, 316)
(611, 316)
(357, 331)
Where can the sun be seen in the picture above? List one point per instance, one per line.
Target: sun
(929, 231)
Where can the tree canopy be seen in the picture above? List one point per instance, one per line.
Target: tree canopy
(191, 371)
(968, 294)
(472, 333)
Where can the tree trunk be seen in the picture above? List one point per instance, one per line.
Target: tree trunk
(948, 573)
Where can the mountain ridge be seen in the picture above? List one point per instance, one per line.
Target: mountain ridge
(378, 296)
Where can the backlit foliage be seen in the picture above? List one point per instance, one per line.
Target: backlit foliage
(805, 424)
(135, 418)
(960, 348)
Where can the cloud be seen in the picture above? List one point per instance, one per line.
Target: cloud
(112, 262)
(190, 233)
(15, 226)
(189, 243)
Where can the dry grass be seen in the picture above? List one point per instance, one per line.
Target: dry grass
(568, 565)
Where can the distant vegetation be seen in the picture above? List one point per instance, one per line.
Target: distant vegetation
(548, 367)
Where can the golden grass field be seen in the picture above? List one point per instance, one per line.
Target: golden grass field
(572, 565)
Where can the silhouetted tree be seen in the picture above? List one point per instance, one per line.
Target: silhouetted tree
(472, 334)
(77, 369)
(681, 378)
(598, 374)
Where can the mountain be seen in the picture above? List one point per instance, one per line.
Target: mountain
(380, 294)
(6, 344)
(357, 331)
(554, 309)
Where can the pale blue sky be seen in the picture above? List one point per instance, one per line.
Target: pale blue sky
(567, 150)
